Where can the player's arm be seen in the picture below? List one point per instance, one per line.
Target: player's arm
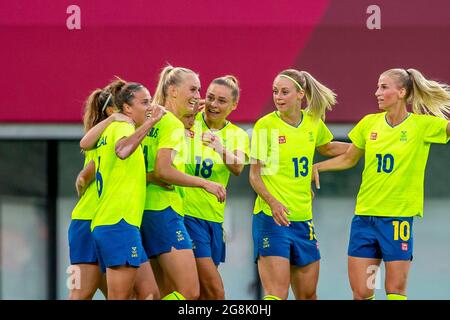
(234, 161)
(448, 129)
(151, 179)
(345, 161)
(333, 148)
(91, 137)
(279, 211)
(164, 171)
(85, 178)
(127, 145)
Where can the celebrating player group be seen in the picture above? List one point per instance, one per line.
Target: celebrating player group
(149, 221)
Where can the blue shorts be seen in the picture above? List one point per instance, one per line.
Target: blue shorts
(81, 242)
(386, 238)
(119, 244)
(207, 238)
(163, 230)
(297, 243)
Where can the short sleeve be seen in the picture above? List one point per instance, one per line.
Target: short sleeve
(358, 134)
(259, 142)
(435, 129)
(324, 135)
(172, 134)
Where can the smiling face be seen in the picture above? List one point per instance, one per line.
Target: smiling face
(285, 95)
(389, 94)
(138, 107)
(219, 102)
(187, 94)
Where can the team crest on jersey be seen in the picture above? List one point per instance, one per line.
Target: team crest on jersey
(373, 136)
(281, 139)
(311, 136)
(134, 253)
(405, 246)
(403, 136)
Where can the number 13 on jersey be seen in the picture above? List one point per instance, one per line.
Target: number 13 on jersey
(300, 166)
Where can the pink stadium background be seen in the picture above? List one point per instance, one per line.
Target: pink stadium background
(47, 70)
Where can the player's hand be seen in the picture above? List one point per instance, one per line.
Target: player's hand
(279, 213)
(118, 116)
(315, 176)
(211, 140)
(201, 105)
(216, 189)
(155, 112)
(80, 186)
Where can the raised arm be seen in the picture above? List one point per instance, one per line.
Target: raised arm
(333, 148)
(164, 171)
(85, 178)
(126, 146)
(279, 211)
(91, 137)
(345, 161)
(234, 161)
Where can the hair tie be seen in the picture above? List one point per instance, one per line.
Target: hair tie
(106, 103)
(293, 80)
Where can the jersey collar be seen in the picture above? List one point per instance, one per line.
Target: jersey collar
(398, 124)
(277, 113)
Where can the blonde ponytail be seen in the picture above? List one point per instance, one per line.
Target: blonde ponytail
(428, 96)
(169, 76)
(161, 89)
(319, 98)
(425, 96)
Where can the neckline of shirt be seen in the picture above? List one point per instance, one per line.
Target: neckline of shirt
(277, 113)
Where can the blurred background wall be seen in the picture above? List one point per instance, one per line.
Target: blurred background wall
(48, 71)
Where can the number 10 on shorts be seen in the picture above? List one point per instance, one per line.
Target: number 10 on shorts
(401, 230)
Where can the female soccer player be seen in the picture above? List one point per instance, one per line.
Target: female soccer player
(226, 151)
(395, 144)
(283, 145)
(98, 107)
(120, 181)
(145, 286)
(164, 234)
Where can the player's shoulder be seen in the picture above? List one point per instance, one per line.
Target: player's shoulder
(372, 118)
(267, 119)
(235, 130)
(170, 121)
(120, 125)
(425, 119)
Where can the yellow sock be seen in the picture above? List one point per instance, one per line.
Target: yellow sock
(394, 296)
(174, 296)
(372, 297)
(271, 297)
